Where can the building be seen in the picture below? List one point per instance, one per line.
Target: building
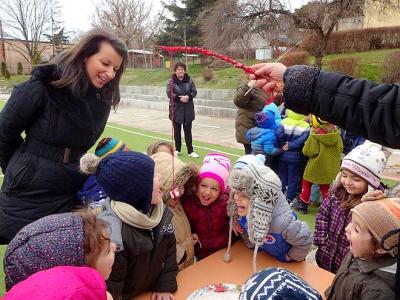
(14, 51)
(375, 14)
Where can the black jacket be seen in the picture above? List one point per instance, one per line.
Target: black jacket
(148, 261)
(360, 106)
(183, 112)
(37, 182)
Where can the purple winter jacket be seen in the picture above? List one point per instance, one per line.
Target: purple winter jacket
(330, 236)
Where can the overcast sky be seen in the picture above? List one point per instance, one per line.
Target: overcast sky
(77, 13)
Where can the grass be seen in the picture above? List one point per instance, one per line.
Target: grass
(227, 78)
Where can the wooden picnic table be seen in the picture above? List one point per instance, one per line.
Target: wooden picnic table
(214, 270)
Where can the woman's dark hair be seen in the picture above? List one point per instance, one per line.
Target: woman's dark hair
(179, 64)
(74, 74)
(97, 236)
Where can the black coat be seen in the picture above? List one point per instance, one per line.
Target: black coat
(37, 182)
(148, 261)
(183, 112)
(360, 106)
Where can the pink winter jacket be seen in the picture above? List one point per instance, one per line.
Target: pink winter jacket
(61, 283)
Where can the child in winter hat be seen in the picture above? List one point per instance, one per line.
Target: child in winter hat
(178, 178)
(138, 217)
(91, 194)
(60, 283)
(259, 207)
(360, 169)
(69, 239)
(160, 146)
(277, 283)
(206, 209)
(369, 269)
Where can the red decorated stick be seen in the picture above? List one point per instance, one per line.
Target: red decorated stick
(206, 52)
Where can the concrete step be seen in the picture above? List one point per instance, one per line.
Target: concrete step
(219, 112)
(197, 101)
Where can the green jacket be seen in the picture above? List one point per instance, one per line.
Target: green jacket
(247, 106)
(324, 155)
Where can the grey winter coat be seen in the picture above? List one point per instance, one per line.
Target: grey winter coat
(183, 112)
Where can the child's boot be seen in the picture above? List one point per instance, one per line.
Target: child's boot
(300, 205)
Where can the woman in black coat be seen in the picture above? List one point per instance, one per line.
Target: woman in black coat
(62, 110)
(181, 99)
(360, 106)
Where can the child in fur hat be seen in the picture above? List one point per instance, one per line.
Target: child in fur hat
(206, 209)
(361, 168)
(369, 270)
(78, 240)
(177, 178)
(141, 225)
(260, 208)
(160, 146)
(91, 194)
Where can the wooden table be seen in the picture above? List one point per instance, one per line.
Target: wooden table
(214, 270)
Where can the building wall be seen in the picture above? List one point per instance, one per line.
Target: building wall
(382, 14)
(13, 49)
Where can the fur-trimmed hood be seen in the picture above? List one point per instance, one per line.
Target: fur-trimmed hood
(185, 174)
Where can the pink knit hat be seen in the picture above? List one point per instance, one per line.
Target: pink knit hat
(217, 167)
(58, 283)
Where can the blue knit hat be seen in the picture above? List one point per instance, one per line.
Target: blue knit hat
(266, 120)
(127, 177)
(277, 284)
(109, 145)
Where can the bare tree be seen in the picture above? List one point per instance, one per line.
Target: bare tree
(318, 16)
(28, 21)
(129, 19)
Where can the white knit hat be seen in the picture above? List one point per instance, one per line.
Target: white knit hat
(367, 161)
(262, 186)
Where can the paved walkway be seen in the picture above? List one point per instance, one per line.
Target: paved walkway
(218, 131)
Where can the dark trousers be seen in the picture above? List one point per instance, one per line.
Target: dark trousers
(247, 148)
(288, 174)
(187, 129)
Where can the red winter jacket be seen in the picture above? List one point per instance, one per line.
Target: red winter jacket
(210, 223)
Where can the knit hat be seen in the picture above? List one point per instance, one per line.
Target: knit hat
(36, 247)
(382, 218)
(217, 167)
(266, 119)
(60, 283)
(278, 284)
(367, 161)
(125, 177)
(263, 187)
(184, 173)
(109, 145)
(245, 160)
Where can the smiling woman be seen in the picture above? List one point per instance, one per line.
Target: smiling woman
(63, 110)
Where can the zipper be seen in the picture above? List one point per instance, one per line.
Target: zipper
(22, 170)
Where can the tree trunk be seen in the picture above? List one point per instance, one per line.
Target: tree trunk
(323, 41)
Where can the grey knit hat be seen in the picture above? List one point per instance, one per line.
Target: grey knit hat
(262, 186)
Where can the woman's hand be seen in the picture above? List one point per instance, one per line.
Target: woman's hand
(162, 296)
(269, 76)
(372, 196)
(285, 147)
(184, 99)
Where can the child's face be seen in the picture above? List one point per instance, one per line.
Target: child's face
(157, 192)
(361, 244)
(208, 191)
(242, 203)
(353, 183)
(105, 260)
